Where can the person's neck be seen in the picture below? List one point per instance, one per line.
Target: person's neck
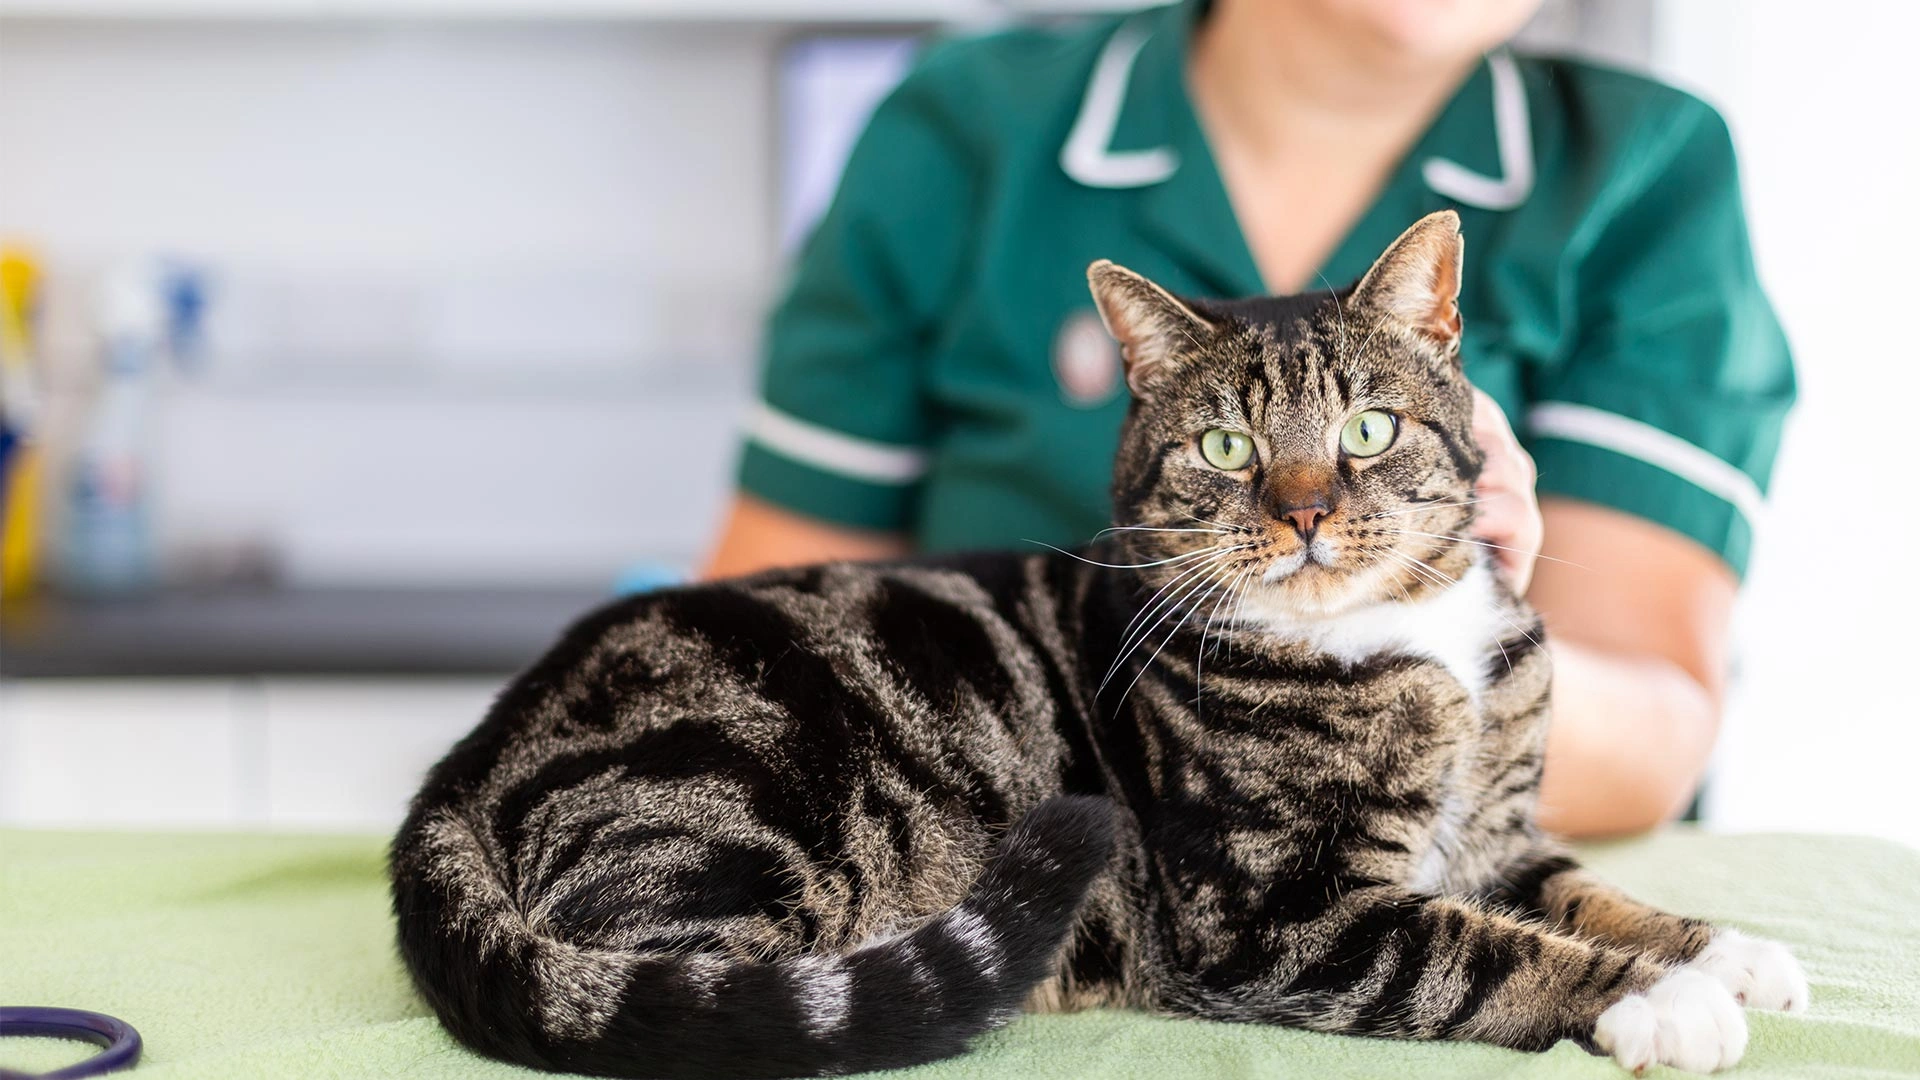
(1268, 77)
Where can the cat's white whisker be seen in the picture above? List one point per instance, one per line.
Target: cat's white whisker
(1171, 634)
(1219, 524)
(1369, 341)
(1421, 509)
(1185, 570)
(1240, 605)
(1493, 610)
(1194, 580)
(1157, 529)
(1149, 609)
(1487, 544)
(1339, 311)
(1200, 656)
(1194, 584)
(1198, 589)
(1418, 565)
(1432, 574)
(1488, 608)
(1120, 566)
(1155, 604)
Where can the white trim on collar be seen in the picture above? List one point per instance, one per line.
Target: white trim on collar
(1512, 129)
(1087, 155)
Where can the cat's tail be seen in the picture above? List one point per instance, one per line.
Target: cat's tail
(504, 987)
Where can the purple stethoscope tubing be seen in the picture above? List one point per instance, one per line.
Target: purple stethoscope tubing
(120, 1043)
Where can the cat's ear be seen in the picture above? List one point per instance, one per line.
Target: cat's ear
(1417, 281)
(1150, 323)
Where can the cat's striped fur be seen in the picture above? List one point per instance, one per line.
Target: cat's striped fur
(847, 817)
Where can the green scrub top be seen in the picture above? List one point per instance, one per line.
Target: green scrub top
(936, 367)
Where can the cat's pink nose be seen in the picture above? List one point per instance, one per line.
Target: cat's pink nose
(1306, 518)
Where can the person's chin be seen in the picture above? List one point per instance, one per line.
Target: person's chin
(1438, 31)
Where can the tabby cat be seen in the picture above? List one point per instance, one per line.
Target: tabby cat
(1267, 751)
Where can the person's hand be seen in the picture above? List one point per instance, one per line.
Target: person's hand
(1509, 515)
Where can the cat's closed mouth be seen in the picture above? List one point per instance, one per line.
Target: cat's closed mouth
(1289, 565)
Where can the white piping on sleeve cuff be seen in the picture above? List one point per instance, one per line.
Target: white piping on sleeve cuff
(1644, 442)
(834, 451)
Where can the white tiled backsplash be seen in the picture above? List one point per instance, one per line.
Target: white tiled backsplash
(226, 753)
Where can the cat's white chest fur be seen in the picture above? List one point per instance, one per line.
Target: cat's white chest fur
(1459, 628)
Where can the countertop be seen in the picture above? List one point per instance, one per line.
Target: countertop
(270, 631)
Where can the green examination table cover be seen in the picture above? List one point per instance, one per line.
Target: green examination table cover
(265, 955)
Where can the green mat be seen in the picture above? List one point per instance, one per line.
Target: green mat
(262, 956)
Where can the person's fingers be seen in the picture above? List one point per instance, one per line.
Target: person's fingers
(1487, 415)
(1508, 515)
(1502, 526)
(1494, 434)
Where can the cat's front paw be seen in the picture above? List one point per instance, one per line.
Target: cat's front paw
(1688, 1020)
(1762, 974)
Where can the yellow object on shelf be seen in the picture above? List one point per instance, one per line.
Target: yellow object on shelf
(20, 466)
(20, 529)
(19, 289)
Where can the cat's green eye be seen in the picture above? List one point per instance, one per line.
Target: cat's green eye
(1226, 450)
(1367, 434)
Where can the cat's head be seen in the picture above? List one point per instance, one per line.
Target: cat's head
(1316, 452)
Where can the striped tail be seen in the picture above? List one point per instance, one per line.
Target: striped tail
(509, 991)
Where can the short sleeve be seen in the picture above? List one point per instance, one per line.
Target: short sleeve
(1671, 402)
(840, 431)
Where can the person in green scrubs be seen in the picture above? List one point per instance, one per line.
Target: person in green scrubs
(937, 377)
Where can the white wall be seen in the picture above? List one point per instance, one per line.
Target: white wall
(485, 295)
(1827, 727)
(392, 147)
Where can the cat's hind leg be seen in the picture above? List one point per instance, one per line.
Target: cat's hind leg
(1549, 884)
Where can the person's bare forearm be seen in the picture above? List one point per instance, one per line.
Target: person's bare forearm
(1630, 739)
(758, 535)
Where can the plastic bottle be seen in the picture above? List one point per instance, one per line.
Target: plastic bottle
(108, 546)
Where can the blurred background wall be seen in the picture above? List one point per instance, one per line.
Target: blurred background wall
(484, 284)
(470, 284)
(1824, 724)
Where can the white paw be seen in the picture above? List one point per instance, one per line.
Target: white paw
(1762, 974)
(1687, 1020)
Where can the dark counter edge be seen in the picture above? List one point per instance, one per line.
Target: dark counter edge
(268, 631)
